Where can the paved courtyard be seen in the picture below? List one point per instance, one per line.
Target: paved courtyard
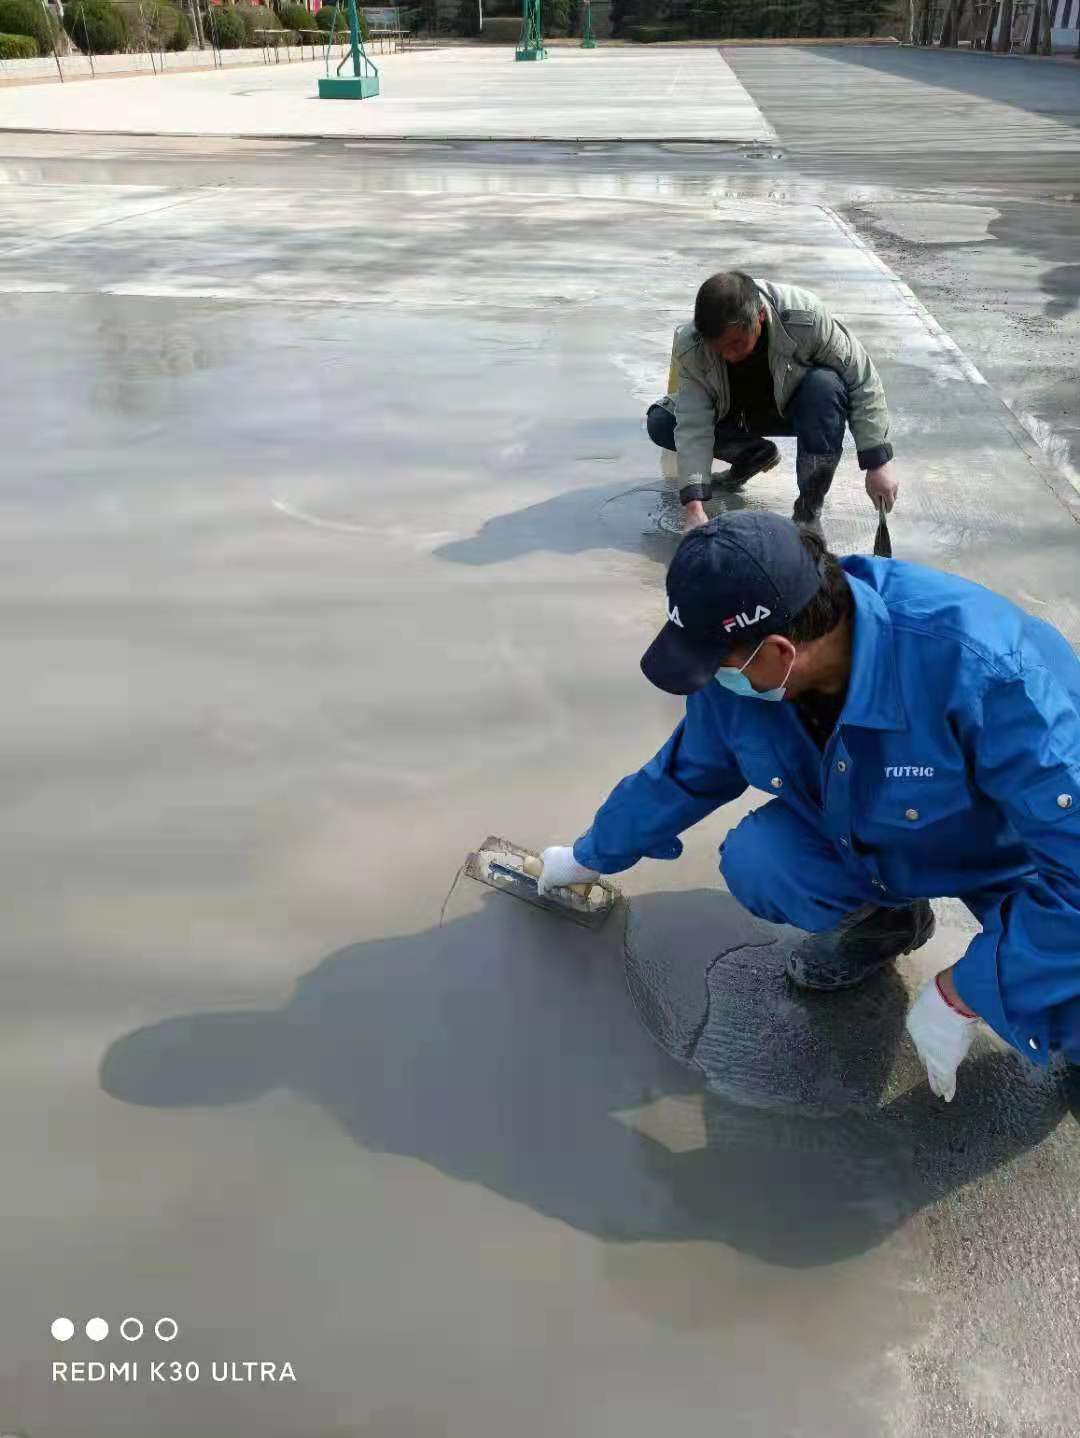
(444, 94)
(334, 542)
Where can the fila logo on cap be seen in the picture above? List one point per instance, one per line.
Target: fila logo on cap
(673, 616)
(744, 620)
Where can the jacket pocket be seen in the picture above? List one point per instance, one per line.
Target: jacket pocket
(1054, 798)
(918, 804)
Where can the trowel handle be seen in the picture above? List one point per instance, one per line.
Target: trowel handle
(534, 867)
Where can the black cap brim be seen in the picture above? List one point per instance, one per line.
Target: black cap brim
(681, 665)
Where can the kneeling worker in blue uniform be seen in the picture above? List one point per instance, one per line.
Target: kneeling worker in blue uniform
(921, 738)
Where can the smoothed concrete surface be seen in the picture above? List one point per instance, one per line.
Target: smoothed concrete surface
(442, 94)
(334, 542)
(976, 201)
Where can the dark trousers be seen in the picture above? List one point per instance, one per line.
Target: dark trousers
(816, 414)
(785, 871)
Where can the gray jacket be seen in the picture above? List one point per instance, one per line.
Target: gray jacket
(802, 334)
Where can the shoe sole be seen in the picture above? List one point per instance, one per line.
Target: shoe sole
(922, 936)
(723, 485)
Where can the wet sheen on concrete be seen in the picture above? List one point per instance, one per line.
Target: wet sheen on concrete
(334, 544)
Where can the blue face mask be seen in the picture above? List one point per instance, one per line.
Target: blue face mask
(736, 681)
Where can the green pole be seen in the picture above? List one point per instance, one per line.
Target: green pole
(587, 41)
(531, 44)
(354, 36)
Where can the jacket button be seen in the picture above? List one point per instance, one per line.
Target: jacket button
(841, 767)
(912, 814)
(1064, 801)
(777, 782)
(1033, 1043)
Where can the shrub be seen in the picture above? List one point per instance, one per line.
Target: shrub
(96, 26)
(325, 18)
(28, 18)
(180, 39)
(18, 47)
(224, 28)
(155, 25)
(296, 18)
(255, 18)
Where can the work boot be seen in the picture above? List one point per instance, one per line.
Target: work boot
(861, 944)
(753, 457)
(814, 473)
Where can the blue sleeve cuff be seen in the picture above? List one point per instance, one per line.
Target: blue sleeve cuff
(978, 983)
(586, 854)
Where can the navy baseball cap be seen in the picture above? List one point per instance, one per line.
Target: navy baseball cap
(732, 582)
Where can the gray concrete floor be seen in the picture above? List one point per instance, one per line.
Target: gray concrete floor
(476, 92)
(334, 543)
(963, 172)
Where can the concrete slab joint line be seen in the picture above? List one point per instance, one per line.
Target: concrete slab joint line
(48, 242)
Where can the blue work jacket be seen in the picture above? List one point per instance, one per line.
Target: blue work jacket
(954, 769)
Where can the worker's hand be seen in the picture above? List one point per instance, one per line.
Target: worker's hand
(560, 869)
(695, 515)
(882, 484)
(942, 1037)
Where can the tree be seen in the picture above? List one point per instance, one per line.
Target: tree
(469, 18)
(1005, 29)
(555, 16)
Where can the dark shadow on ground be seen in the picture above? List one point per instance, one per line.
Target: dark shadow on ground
(499, 1046)
(1039, 88)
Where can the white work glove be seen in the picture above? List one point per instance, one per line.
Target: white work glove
(942, 1038)
(881, 484)
(560, 869)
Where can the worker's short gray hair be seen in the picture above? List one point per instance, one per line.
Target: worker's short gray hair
(730, 300)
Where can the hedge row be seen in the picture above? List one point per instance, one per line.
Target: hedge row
(18, 47)
(101, 27)
(28, 18)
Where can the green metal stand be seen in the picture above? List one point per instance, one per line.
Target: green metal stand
(363, 83)
(531, 44)
(587, 41)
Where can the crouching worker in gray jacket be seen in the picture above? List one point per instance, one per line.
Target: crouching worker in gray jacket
(762, 359)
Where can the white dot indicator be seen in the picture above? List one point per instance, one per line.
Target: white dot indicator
(97, 1329)
(131, 1329)
(166, 1329)
(63, 1329)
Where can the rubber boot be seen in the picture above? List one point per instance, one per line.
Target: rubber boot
(814, 473)
(753, 456)
(861, 944)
